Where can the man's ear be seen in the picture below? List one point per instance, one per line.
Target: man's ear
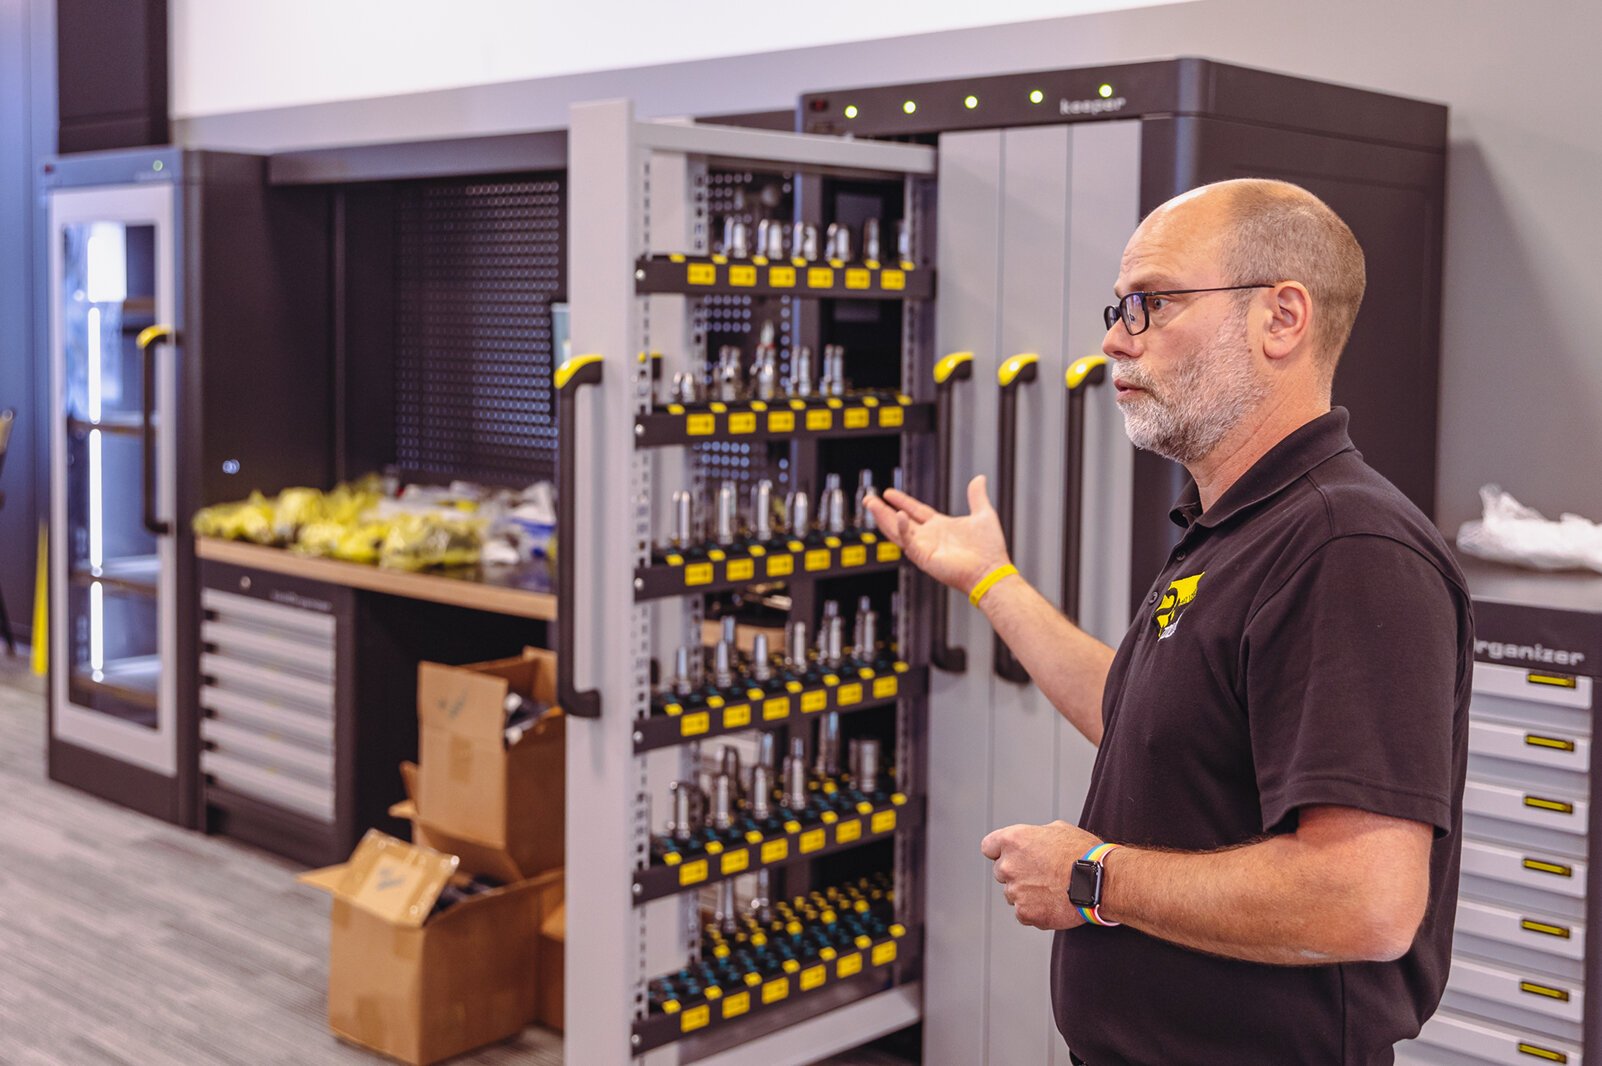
(1289, 324)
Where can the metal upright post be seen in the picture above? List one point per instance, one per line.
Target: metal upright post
(604, 930)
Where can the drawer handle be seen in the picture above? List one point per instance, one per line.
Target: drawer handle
(1537, 1052)
(1548, 805)
(1559, 994)
(1548, 868)
(1536, 741)
(1543, 927)
(1555, 680)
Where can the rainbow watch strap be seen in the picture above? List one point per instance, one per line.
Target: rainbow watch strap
(1092, 915)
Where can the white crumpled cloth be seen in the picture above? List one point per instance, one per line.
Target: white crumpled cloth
(1510, 532)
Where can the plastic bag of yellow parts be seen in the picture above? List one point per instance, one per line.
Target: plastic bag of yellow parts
(358, 542)
(421, 541)
(250, 519)
(295, 508)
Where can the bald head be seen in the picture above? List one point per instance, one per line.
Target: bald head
(1271, 231)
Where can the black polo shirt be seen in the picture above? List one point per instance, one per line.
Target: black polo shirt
(1308, 643)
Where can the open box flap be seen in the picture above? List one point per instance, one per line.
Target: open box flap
(388, 878)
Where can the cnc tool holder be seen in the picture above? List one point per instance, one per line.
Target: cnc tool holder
(644, 281)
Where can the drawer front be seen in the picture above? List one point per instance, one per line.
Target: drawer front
(272, 751)
(269, 786)
(1549, 873)
(1545, 748)
(286, 651)
(1484, 1041)
(1537, 993)
(315, 731)
(230, 605)
(1537, 932)
(266, 681)
(1549, 809)
(1551, 687)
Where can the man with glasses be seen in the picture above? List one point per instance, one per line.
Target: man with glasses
(1265, 870)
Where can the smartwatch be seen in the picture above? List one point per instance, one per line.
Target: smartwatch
(1085, 884)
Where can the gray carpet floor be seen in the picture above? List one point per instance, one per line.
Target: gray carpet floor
(128, 942)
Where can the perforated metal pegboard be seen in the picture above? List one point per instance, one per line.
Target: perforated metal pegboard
(478, 265)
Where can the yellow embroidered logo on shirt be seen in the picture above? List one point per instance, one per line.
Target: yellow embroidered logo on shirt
(1172, 606)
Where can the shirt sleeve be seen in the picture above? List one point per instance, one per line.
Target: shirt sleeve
(1351, 675)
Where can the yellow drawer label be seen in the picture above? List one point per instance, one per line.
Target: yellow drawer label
(742, 569)
(695, 1018)
(857, 278)
(775, 851)
(700, 425)
(812, 977)
(884, 953)
(693, 725)
(775, 990)
(1535, 1051)
(698, 574)
(848, 831)
(736, 1005)
(742, 275)
(744, 422)
(812, 840)
(820, 278)
(820, 419)
(737, 717)
(692, 873)
(855, 555)
(701, 274)
(776, 708)
(887, 552)
(780, 565)
(781, 277)
(817, 559)
(849, 965)
(892, 417)
(884, 687)
(736, 861)
(892, 279)
(883, 822)
(856, 418)
(781, 421)
(849, 694)
(813, 702)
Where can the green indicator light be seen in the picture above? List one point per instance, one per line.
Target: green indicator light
(971, 102)
(1035, 96)
(910, 106)
(157, 165)
(851, 111)
(1105, 91)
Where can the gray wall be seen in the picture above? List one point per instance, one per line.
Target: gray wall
(1521, 392)
(25, 127)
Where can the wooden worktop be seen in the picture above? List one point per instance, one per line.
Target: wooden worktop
(522, 591)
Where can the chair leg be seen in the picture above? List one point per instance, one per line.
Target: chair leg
(5, 626)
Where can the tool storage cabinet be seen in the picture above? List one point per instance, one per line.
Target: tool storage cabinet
(651, 295)
(1523, 966)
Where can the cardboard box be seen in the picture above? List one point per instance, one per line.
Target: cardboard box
(472, 788)
(422, 987)
(552, 949)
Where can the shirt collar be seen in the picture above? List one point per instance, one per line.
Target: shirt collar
(1305, 448)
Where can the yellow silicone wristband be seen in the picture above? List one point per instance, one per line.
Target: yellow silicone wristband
(988, 581)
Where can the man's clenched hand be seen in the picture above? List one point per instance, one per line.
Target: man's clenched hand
(1033, 864)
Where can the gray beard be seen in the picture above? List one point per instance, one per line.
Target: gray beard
(1213, 391)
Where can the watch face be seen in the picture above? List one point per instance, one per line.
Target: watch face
(1084, 884)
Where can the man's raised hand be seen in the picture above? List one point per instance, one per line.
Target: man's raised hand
(957, 551)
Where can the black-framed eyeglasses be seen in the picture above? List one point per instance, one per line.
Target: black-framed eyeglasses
(1135, 308)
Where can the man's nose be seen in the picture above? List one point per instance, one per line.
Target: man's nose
(1118, 344)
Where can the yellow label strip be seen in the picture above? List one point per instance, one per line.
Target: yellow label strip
(1542, 927)
(1534, 989)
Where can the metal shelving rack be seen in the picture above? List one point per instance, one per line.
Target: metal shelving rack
(639, 267)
